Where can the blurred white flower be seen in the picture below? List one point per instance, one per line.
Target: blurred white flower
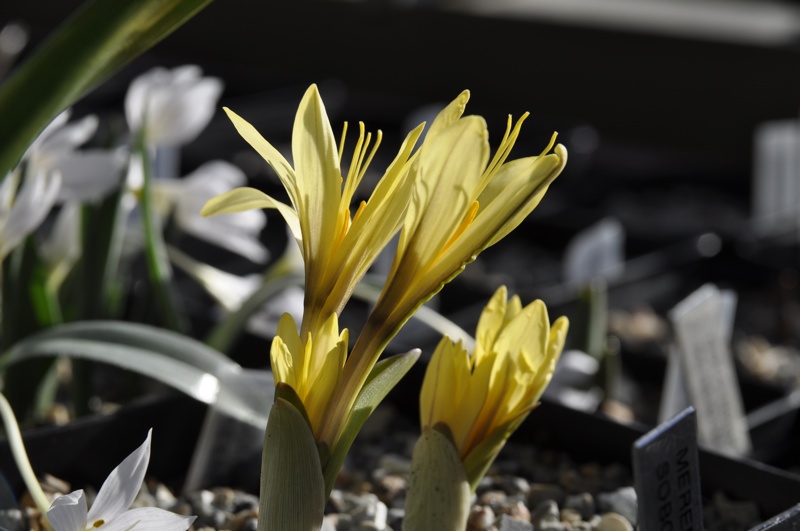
(24, 207)
(61, 248)
(175, 104)
(110, 511)
(238, 233)
(231, 291)
(87, 175)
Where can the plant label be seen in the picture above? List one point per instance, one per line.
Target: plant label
(788, 520)
(596, 251)
(702, 323)
(667, 476)
(675, 396)
(776, 176)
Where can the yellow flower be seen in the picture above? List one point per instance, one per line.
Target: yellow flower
(482, 398)
(461, 204)
(337, 248)
(311, 366)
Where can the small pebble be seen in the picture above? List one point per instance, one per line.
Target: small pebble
(480, 518)
(622, 501)
(614, 522)
(570, 516)
(541, 492)
(583, 504)
(546, 517)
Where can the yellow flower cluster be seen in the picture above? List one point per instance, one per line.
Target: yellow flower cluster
(483, 397)
(449, 199)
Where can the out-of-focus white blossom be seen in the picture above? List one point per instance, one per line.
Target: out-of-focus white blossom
(174, 105)
(110, 512)
(62, 247)
(87, 175)
(231, 291)
(238, 233)
(24, 207)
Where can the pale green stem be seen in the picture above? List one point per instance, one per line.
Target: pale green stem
(21, 458)
(428, 316)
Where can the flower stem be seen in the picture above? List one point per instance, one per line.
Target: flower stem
(276, 279)
(21, 458)
(159, 269)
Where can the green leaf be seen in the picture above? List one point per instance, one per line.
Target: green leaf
(159, 268)
(292, 487)
(438, 492)
(97, 271)
(95, 42)
(382, 379)
(24, 307)
(478, 461)
(178, 361)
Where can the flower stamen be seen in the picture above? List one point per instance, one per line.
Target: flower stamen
(468, 219)
(504, 149)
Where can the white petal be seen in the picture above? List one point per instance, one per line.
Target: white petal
(90, 175)
(8, 190)
(192, 113)
(178, 103)
(63, 244)
(149, 519)
(68, 512)
(136, 97)
(122, 485)
(57, 123)
(216, 176)
(70, 136)
(239, 232)
(226, 236)
(32, 204)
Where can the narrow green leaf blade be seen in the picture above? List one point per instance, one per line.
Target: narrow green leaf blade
(384, 376)
(478, 461)
(182, 363)
(98, 40)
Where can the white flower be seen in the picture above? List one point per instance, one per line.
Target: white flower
(87, 175)
(238, 233)
(23, 208)
(62, 247)
(176, 104)
(110, 511)
(231, 291)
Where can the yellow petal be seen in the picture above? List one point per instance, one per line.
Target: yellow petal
(449, 115)
(282, 363)
(476, 395)
(555, 345)
(513, 309)
(287, 331)
(324, 383)
(246, 198)
(269, 153)
(547, 170)
(449, 169)
(490, 323)
(377, 223)
(319, 180)
(527, 333)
